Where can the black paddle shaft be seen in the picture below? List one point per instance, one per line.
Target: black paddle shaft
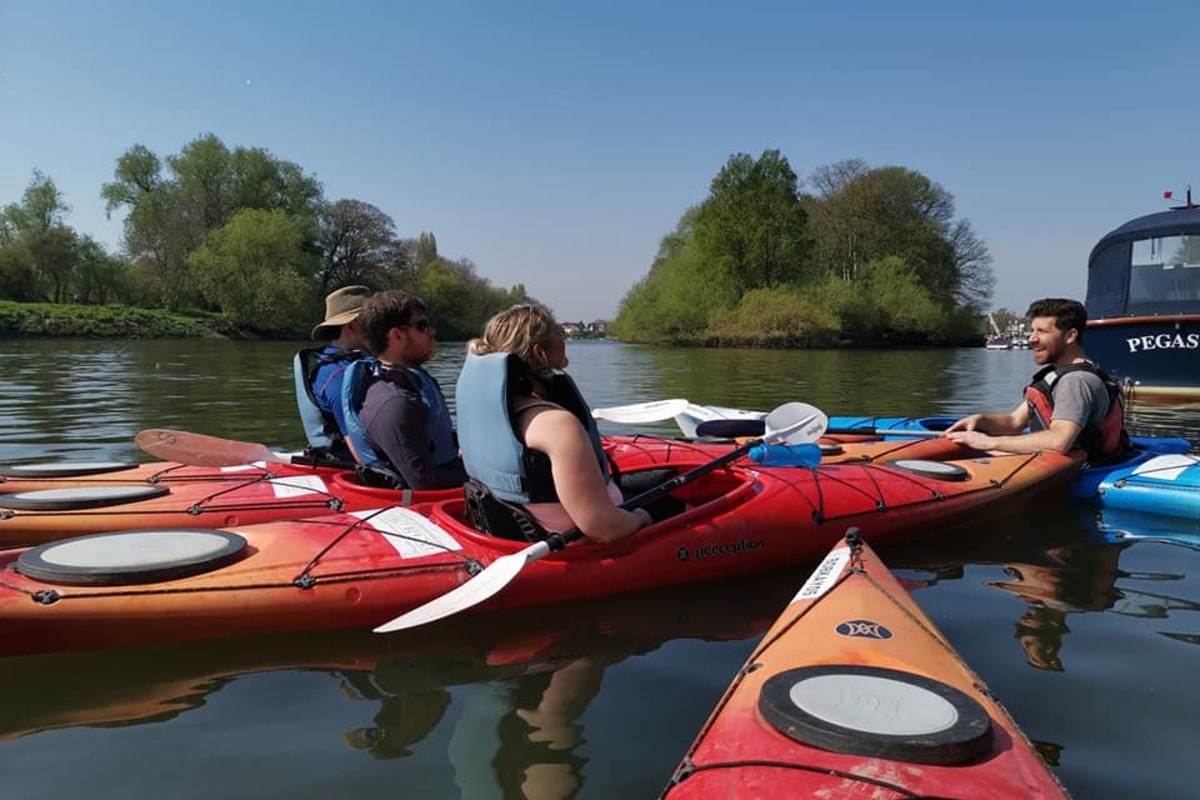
(557, 541)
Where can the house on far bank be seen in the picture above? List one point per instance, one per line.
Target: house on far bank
(586, 330)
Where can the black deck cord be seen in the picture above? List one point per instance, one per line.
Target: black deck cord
(330, 501)
(692, 769)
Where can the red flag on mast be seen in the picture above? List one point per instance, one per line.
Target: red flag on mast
(1167, 195)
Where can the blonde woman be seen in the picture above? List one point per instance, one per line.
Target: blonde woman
(528, 439)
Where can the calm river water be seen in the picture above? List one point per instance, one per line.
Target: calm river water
(1088, 637)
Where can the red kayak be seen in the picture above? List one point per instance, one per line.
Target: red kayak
(854, 693)
(362, 568)
(69, 474)
(208, 497)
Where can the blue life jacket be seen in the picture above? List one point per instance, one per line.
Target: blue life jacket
(491, 451)
(320, 425)
(439, 428)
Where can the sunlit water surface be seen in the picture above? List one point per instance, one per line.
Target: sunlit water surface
(1085, 630)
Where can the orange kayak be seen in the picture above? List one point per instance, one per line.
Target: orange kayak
(854, 693)
(362, 568)
(207, 497)
(67, 474)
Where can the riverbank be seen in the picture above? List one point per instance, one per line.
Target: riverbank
(49, 320)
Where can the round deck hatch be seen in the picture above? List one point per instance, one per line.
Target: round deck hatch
(129, 557)
(77, 497)
(67, 469)
(876, 712)
(942, 470)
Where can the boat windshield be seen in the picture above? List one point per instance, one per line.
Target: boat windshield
(1163, 269)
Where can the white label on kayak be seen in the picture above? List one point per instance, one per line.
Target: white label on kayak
(298, 485)
(257, 465)
(1168, 467)
(824, 576)
(412, 534)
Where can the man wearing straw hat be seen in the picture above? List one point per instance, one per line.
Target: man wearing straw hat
(319, 371)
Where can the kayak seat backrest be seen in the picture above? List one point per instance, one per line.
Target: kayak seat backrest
(495, 517)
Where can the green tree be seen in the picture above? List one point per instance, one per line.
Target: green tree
(427, 251)
(42, 208)
(171, 210)
(18, 276)
(100, 277)
(53, 253)
(255, 269)
(860, 214)
(752, 226)
(358, 245)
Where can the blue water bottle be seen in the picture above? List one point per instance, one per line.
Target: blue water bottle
(786, 455)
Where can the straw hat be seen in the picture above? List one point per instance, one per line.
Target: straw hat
(341, 306)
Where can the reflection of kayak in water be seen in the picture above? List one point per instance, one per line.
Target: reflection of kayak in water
(854, 693)
(361, 569)
(406, 674)
(1126, 527)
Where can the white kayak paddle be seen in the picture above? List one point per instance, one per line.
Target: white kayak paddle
(791, 423)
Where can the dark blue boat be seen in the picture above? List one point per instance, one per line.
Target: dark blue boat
(1143, 302)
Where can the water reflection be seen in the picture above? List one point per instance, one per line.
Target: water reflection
(370, 713)
(1077, 573)
(508, 694)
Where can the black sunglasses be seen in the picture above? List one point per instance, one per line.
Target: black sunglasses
(422, 325)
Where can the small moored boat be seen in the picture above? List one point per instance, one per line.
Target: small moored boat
(1143, 303)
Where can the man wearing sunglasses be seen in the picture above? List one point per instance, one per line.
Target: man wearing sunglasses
(397, 419)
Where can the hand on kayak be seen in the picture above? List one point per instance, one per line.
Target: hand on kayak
(969, 423)
(974, 439)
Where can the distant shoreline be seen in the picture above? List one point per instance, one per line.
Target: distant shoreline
(62, 321)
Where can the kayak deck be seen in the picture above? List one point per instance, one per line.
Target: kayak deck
(854, 693)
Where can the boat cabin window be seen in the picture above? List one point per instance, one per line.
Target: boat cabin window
(1163, 270)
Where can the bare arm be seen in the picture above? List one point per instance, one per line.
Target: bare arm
(1058, 438)
(1003, 424)
(577, 477)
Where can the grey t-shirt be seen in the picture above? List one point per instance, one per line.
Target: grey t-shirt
(1080, 397)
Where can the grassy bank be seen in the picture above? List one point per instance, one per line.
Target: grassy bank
(103, 322)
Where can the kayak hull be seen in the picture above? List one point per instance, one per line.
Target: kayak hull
(1166, 484)
(360, 569)
(852, 619)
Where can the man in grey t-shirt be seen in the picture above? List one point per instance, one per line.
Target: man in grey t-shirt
(1061, 404)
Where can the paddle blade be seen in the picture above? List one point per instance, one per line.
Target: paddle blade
(731, 428)
(691, 419)
(795, 423)
(495, 577)
(203, 451)
(642, 413)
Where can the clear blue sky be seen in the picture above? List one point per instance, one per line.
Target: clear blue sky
(555, 143)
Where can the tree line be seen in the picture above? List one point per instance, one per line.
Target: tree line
(866, 255)
(869, 255)
(233, 231)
